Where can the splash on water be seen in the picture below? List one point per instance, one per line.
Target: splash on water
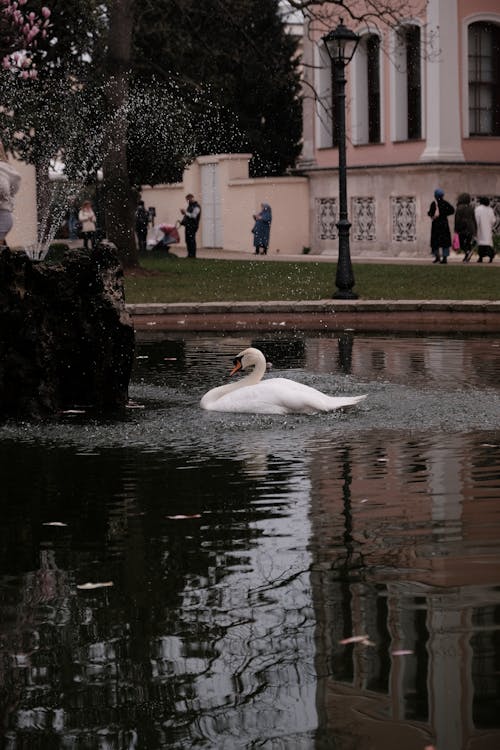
(166, 127)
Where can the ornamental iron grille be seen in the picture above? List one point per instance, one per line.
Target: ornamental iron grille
(404, 218)
(364, 219)
(326, 217)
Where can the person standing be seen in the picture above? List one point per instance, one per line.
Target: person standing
(141, 226)
(465, 225)
(191, 221)
(72, 220)
(440, 230)
(10, 181)
(485, 220)
(262, 228)
(87, 218)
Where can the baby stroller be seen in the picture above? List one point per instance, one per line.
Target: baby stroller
(167, 235)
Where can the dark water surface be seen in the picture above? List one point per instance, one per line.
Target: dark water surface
(223, 629)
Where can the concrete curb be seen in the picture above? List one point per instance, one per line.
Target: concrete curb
(361, 315)
(313, 306)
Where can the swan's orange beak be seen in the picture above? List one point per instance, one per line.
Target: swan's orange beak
(237, 366)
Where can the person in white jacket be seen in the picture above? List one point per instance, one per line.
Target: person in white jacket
(485, 220)
(87, 219)
(10, 180)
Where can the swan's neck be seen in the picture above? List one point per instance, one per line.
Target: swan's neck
(251, 379)
(256, 375)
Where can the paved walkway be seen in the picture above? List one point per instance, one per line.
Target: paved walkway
(324, 258)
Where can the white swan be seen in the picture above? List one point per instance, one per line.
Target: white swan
(274, 396)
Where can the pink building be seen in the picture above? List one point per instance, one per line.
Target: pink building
(423, 111)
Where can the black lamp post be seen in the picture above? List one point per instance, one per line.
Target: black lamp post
(341, 45)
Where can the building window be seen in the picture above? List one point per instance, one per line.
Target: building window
(414, 85)
(334, 110)
(373, 74)
(484, 79)
(366, 100)
(408, 84)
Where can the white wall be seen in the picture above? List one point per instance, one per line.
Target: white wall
(24, 231)
(227, 216)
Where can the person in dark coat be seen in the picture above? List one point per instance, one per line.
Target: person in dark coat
(191, 221)
(141, 225)
(465, 225)
(262, 228)
(440, 230)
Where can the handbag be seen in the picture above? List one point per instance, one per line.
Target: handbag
(455, 242)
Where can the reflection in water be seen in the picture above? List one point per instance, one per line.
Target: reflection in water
(242, 551)
(428, 583)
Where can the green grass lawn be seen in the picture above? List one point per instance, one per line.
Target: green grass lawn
(182, 280)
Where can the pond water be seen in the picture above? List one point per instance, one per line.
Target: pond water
(180, 579)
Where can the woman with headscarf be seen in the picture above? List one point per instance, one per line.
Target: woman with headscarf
(440, 231)
(10, 180)
(262, 228)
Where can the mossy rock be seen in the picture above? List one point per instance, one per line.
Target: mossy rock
(56, 252)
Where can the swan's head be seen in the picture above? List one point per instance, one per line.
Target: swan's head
(247, 358)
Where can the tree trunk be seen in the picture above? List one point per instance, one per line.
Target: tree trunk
(118, 194)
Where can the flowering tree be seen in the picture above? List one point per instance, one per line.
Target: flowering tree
(20, 30)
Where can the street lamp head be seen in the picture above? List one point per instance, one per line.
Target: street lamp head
(341, 44)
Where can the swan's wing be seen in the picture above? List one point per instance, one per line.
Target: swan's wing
(253, 399)
(279, 396)
(297, 398)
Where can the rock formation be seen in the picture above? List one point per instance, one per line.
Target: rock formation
(66, 338)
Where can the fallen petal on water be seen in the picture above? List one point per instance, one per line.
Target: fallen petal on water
(54, 523)
(73, 411)
(100, 585)
(402, 652)
(353, 639)
(181, 517)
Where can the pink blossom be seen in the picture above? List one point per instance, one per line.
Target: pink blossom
(45, 12)
(6, 62)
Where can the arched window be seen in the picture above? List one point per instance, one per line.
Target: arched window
(407, 102)
(484, 79)
(367, 100)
